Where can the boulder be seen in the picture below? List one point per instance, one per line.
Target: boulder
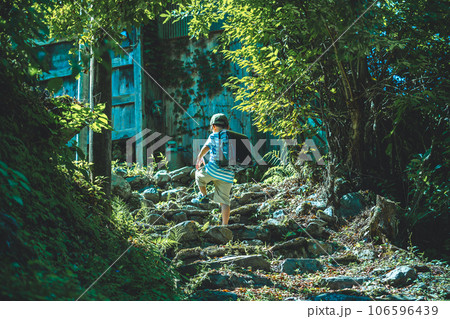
(134, 201)
(179, 217)
(188, 229)
(400, 276)
(186, 170)
(151, 194)
(213, 295)
(380, 271)
(215, 251)
(120, 172)
(317, 248)
(253, 242)
(341, 187)
(273, 222)
(291, 266)
(294, 248)
(120, 187)
(400, 298)
(197, 212)
(223, 281)
(351, 204)
(147, 203)
(279, 214)
(245, 198)
(156, 219)
(190, 254)
(255, 188)
(366, 254)
(309, 206)
(246, 210)
(162, 177)
(290, 244)
(235, 219)
(219, 235)
(277, 231)
(171, 193)
(263, 233)
(246, 233)
(320, 222)
(243, 232)
(181, 174)
(189, 207)
(346, 259)
(316, 230)
(216, 281)
(245, 261)
(265, 208)
(138, 182)
(340, 297)
(327, 215)
(342, 282)
(383, 222)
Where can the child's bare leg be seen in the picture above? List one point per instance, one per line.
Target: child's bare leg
(202, 190)
(225, 213)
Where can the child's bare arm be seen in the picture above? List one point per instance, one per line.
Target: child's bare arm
(200, 159)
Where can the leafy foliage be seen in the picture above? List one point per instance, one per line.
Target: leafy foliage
(430, 190)
(70, 114)
(368, 74)
(279, 172)
(55, 237)
(60, 240)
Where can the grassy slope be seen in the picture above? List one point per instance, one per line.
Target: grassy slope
(55, 238)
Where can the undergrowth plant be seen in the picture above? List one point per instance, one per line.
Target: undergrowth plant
(56, 237)
(280, 171)
(136, 169)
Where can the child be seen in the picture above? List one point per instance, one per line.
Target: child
(222, 178)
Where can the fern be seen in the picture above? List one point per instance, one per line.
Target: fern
(171, 240)
(205, 227)
(278, 173)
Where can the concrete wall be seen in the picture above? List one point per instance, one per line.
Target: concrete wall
(157, 71)
(193, 76)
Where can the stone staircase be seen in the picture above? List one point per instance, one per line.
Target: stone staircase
(260, 240)
(275, 247)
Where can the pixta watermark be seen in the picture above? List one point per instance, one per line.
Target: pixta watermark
(150, 141)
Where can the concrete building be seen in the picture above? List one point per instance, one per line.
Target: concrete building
(166, 83)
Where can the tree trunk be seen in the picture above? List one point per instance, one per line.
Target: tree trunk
(100, 143)
(360, 158)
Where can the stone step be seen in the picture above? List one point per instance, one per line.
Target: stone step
(244, 261)
(341, 282)
(234, 280)
(213, 295)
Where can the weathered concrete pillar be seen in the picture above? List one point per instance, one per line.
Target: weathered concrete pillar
(138, 94)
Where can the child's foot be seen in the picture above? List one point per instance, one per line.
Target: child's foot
(200, 199)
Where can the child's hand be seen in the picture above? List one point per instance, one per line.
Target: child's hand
(199, 163)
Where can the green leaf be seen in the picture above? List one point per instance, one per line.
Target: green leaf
(389, 150)
(55, 84)
(25, 185)
(18, 199)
